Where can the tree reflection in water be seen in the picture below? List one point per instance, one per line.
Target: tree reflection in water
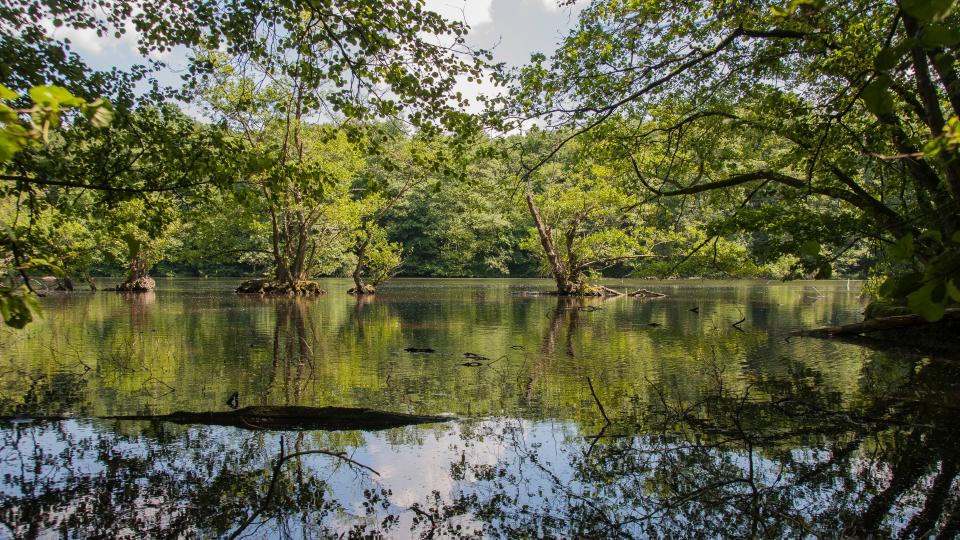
(105, 480)
(733, 465)
(781, 459)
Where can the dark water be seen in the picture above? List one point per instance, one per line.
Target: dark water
(711, 429)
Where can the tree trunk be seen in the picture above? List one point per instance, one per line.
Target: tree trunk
(360, 287)
(564, 284)
(880, 324)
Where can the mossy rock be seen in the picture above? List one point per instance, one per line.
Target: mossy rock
(267, 287)
(366, 289)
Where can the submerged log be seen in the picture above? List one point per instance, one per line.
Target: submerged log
(281, 418)
(296, 418)
(879, 324)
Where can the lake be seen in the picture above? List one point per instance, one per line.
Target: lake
(695, 415)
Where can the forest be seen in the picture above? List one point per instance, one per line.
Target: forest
(683, 139)
(349, 268)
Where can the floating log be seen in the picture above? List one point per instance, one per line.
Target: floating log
(644, 293)
(878, 324)
(281, 418)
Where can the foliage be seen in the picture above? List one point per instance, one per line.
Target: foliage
(19, 129)
(584, 223)
(818, 102)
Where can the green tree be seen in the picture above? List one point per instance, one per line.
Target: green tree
(135, 177)
(21, 129)
(843, 101)
(583, 223)
(300, 176)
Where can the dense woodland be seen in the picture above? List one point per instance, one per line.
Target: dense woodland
(799, 139)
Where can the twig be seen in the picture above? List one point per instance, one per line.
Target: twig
(277, 468)
(738, 323)
(599, 405)
(433, 522)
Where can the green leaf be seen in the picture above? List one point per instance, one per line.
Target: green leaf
(876, 97)
(6, 93)
(824, 271)
(932, 234)
(99, 112)
(886, 59)
(901, 286)
(903, 248)
(17, 309)
(810, 247)
(933, 147)
(9, 146)
(921, 301)
(939, 35)
(928, 10)
(54, 96)
(953, 291)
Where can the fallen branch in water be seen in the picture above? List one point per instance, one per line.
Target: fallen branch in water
(895, 322)
(607, 291)
(281, 418)
(644, 293)
(738, 323)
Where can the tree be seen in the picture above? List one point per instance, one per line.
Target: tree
(299, 178)
(21, 129)
(57, 231)
(856, 98)
(390, 175)
(134, 175)
(583, 223)
(357, 59)
(464, 222)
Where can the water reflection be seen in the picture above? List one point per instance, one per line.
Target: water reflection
(730, 464)
(717, 430)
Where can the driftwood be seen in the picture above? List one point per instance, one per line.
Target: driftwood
(282, 418)
(879, 324)
(644, 293)
(607, 291)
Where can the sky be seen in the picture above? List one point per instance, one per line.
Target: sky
(512, 29)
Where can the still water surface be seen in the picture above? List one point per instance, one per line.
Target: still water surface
(707, 429)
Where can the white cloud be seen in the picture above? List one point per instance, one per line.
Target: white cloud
(85, 40)
(107, 47)
(473, 12)
(552, 5)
